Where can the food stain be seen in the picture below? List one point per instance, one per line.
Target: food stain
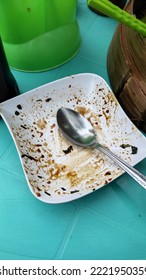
(68, 150)
(134, 149)
(42, 123)
(46, 163)
(17, 113)
(19, 106)
(48, 99)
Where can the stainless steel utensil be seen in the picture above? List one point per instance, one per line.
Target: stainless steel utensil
(79, 131)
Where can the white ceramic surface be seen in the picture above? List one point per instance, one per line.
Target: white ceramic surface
(56, 170)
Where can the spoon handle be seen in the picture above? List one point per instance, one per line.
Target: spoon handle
(135, 174)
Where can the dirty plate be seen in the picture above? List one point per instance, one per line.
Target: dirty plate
(56, 170)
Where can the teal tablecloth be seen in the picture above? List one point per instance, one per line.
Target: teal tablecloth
(108, 224)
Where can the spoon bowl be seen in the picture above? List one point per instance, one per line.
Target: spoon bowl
(79, 131)
(76, 128)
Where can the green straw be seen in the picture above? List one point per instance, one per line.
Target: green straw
(120, 15)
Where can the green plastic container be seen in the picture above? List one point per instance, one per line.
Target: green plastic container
(39, 34)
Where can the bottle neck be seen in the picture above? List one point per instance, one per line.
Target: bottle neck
(3, 60)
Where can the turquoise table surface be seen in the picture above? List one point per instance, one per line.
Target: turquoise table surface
(107, 224)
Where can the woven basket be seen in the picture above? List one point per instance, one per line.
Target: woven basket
(126, 63)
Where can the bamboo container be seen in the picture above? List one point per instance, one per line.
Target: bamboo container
(126, 64)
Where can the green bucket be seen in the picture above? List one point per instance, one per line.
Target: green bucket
(39, 35)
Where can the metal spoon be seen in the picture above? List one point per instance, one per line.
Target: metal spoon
(79, 131)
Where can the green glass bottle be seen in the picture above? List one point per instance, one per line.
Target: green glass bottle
(8, 84)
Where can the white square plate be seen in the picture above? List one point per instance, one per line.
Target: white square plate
(56, 170)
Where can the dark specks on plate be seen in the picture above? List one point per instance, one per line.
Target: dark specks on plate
(75, 191)
(68, 150)
(48, 99)
(134, 149)
(39, 100)
(56, 170)
(28, 156)
(47, 193)
(19, 106)
(17, 113)
(23, 126)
